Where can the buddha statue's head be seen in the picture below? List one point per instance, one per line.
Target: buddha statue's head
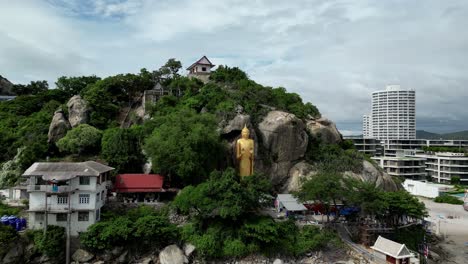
(245, 132)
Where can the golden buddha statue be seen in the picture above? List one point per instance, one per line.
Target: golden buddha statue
(245, 153)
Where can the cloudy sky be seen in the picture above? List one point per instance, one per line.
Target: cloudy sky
(333, 53)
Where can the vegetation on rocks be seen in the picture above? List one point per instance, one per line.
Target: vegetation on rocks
(82, 139)
(51, 244)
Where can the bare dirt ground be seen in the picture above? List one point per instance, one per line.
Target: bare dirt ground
(453, 226)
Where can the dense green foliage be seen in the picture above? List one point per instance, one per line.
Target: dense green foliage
(121, 148)
(143, 226)
(7, 235)
(53, 243)
(455, 180)
(185, 144)
(449, 199)
(33, 87)
(75, 85)
(8, 210)
(81, 139)
(225, 221)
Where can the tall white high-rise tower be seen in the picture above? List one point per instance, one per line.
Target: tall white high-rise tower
(393, 114)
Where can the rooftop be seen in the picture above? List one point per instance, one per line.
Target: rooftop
(66, 170)
(391, 248)
(290, 203)
(138, 183)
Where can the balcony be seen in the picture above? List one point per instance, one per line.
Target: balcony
(49, 189)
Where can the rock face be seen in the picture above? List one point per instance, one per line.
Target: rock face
(297, 173)
(285, 140)
(371, 173)
(5, 86)
(15, 254)
(325, 129)
(172, 255)
(58, 127)
(78, 111)
(81, 255)
(236, 124)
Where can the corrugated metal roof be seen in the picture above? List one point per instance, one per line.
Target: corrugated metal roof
(66, 170)
(391, 248)
(138, 183)
(290, 203)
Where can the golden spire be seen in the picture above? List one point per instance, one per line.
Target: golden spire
(245, 129)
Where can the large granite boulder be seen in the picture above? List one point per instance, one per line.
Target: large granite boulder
(285, 140)
(325, 129)
(78, 111)
(82, 255)
(172, 255)
(373, 174)
(58, 127)
(299, 172)
(370, 173)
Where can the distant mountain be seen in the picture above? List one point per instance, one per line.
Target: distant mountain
(421, 134)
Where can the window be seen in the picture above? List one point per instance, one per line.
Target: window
(97, 197)
(98, 215)
(84, 180)
(83, 216)
(84, 198)
(39, 216)
(61, 217)
(203, 68)
(102, 195)
(61, 199)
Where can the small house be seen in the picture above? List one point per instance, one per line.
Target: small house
(289, 205)
(392, 251)
(201, 69)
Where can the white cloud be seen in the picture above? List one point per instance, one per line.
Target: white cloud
(333, 53)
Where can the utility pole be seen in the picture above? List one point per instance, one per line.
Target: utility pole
(67, 251)
(45, 213)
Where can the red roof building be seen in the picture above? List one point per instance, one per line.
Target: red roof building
(138, 183)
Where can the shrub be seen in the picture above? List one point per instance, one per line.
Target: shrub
(234, 248)
(53, 243)
(83, 138)
(8, 210)
(449, 199)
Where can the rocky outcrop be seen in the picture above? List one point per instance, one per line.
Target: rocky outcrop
(297, 174)
(78, 111)
(371, 173)
(172, 255)
(285, 140)
(5, 86)
(58, 127)
(82, 255)
(14, 254)
(236, 124)
(325, 130)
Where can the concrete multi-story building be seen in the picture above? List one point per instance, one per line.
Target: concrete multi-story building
(393, 114)
(367, 126)
(391, 147)
(201, 69)
(413, 168)
(441, 167)
(369, 146)
(68, 194)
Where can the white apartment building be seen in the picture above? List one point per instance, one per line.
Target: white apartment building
(62, 192)
(367, 131)
(393, 114)
(441, 167)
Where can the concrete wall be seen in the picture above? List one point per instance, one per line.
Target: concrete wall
(419, 188)
(75, 225)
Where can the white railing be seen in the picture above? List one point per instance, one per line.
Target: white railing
(49, 188)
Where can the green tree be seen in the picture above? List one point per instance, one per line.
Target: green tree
(7, 236)
(82, 139)
(185, 144)
(455, 180)
(325, 187)
(34, 87)
(122, 148)
(75, 85)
